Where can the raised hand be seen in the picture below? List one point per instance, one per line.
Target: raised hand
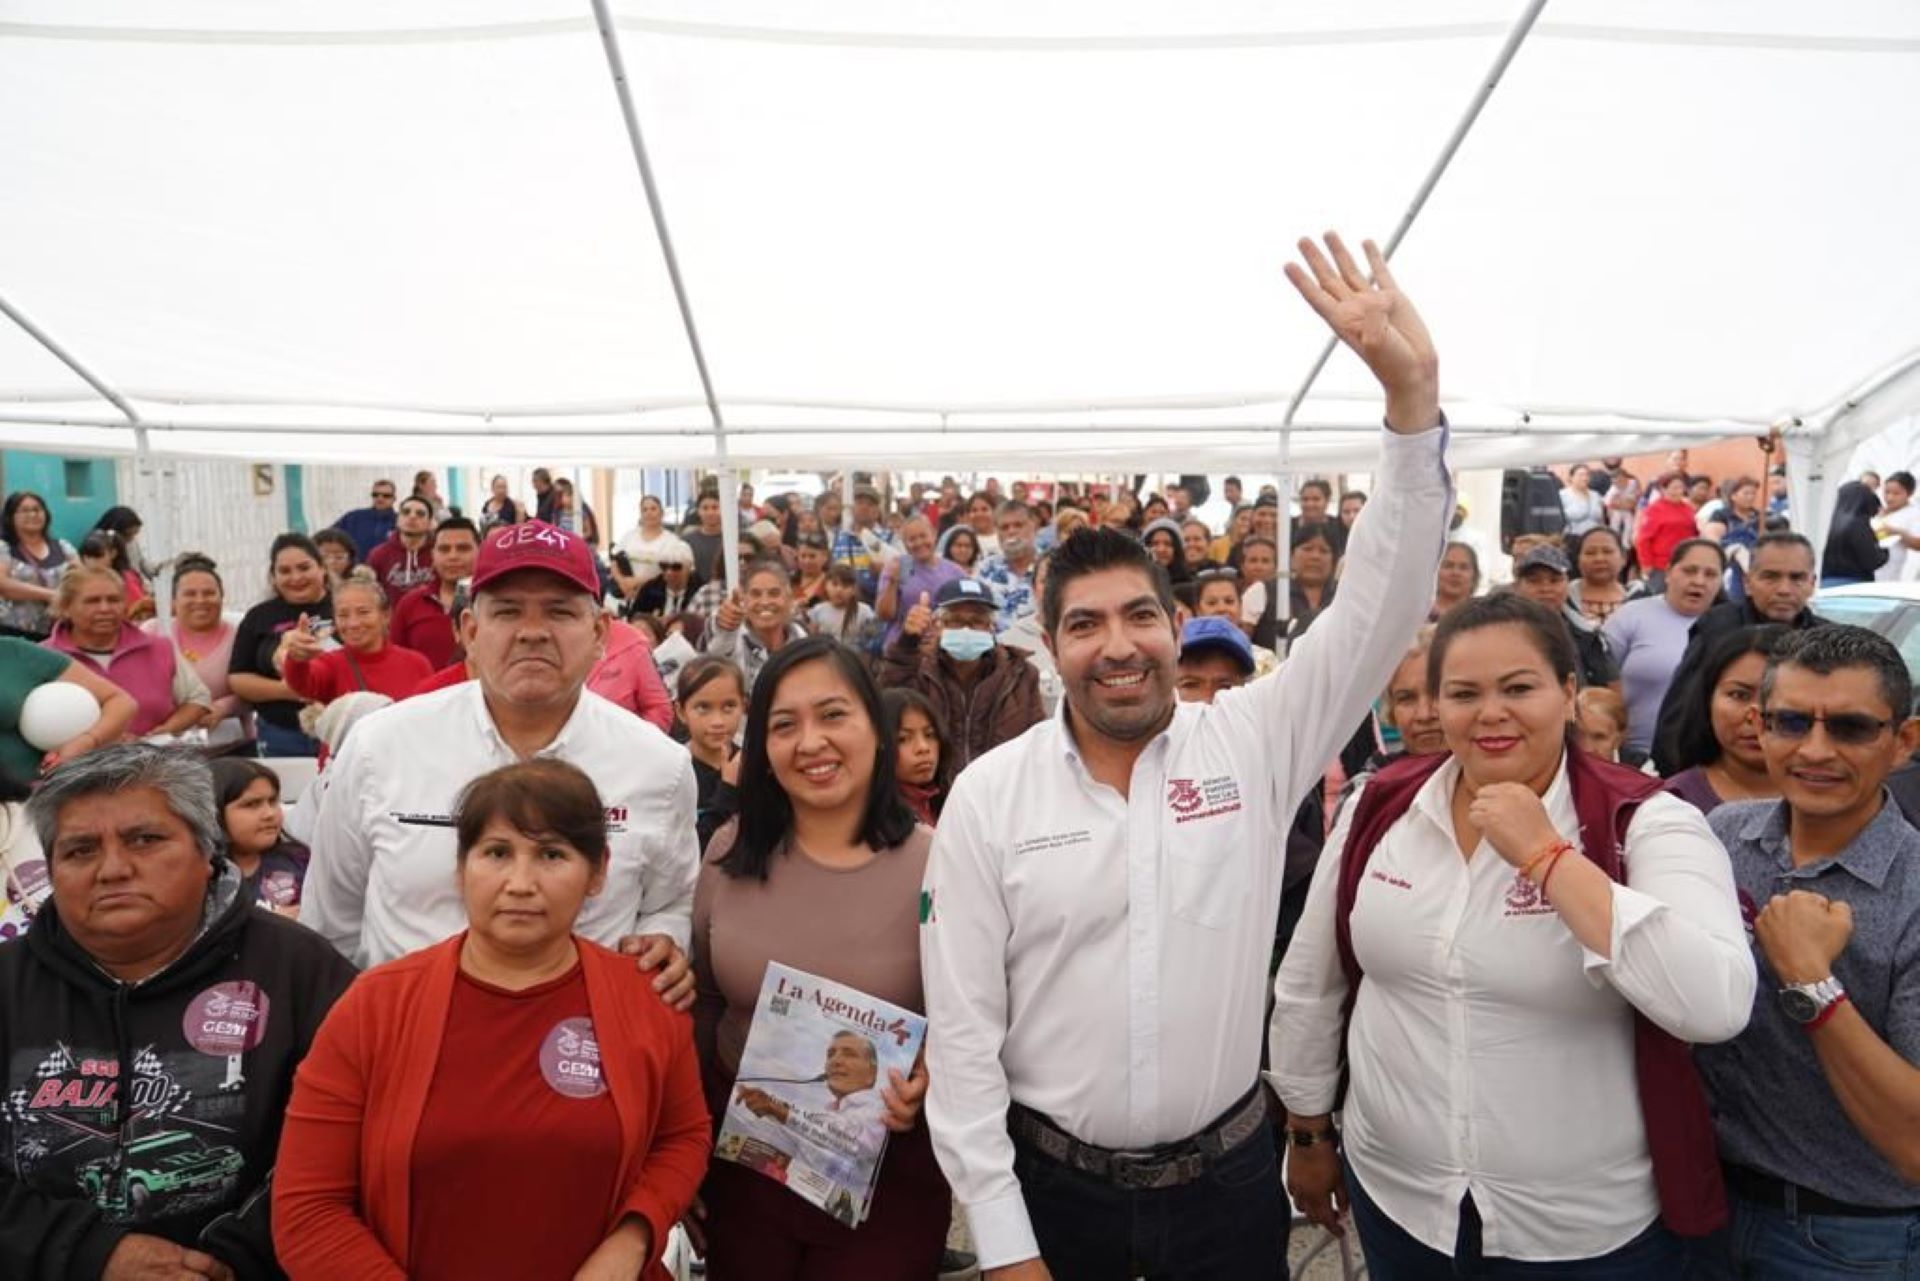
(920, 617)
(1378, 322)
(732, 611)
(300, 643)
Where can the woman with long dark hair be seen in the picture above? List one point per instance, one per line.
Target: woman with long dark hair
(821, 871)
(31, 563)
(1717, 749)
(299, 591)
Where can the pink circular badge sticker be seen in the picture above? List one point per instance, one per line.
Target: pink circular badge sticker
(570, 1059)
(227, 1018)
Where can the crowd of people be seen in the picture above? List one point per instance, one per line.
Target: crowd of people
(1568, 928)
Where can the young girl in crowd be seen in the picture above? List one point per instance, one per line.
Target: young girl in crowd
(711, 701)
(843, 615)
(272, 864)
(924, 765)
(104, 549)
(1600, 722)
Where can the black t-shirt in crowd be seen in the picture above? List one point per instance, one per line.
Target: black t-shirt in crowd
(255, 640)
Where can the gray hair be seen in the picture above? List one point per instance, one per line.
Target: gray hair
(181, 776)
(866, 1043)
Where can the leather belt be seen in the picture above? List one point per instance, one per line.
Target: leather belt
(1170, 1165)
(1790, 1198)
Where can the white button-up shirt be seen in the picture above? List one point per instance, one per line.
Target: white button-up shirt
(1102, 959)
(382, 881)
(1489, 1051)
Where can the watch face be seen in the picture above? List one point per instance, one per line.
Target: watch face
(1800, 1007)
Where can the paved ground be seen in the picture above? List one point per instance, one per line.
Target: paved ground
(1325, 1267)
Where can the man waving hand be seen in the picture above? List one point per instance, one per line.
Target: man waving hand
(1102, 894)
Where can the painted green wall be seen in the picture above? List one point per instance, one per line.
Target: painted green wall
(77, 490)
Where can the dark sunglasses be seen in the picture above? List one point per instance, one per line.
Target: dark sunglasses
(383, 493)
(1226, 573)
(672, 565)
(1851, 729)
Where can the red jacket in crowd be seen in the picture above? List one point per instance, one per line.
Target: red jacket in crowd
(422, 625)
(343, 1185)
(400, 568)
(389, 670)
(1663, 526)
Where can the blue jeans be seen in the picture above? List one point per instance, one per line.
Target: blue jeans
(1229, 1224)
(1394, 1254)
(1765, 1243)
(276, 741)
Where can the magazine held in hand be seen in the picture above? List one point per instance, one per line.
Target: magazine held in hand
(806, 1108)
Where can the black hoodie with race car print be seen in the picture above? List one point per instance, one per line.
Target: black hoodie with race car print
(152, 1107)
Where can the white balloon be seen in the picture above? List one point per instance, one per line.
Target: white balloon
(56, 713)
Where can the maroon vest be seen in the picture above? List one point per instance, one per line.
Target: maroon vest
(1673, 1103)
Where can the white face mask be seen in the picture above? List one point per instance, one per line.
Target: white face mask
(964, 644)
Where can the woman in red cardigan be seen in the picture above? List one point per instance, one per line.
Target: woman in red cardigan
(512, 1102)
(365, 659)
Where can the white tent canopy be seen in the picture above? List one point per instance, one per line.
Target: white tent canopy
(944, 235)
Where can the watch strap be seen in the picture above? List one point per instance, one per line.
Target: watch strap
(1828, 1011)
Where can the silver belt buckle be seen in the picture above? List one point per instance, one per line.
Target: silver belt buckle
(1137, 1172)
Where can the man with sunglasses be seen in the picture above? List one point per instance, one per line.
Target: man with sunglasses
(370, 526)
(1815, 1103)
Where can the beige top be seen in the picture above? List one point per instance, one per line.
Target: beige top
(859, 926)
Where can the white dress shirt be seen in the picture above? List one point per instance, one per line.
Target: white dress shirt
(1102, 959)
(1489, 1051)
(382, 880)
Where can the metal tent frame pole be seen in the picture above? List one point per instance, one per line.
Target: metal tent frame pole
(1515, 38)
(155, 513)
(729, 479)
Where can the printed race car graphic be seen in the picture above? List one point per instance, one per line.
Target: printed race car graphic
(172, 1164)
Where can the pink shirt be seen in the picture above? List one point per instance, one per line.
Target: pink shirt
(626, 676)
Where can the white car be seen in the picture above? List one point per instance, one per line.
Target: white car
(1892, 609)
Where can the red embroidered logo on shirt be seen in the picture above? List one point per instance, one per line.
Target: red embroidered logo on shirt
(1183, 795)
(1399, 883)
(1207, 798)
(1524, 899)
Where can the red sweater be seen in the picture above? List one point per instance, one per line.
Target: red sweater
(342, 1185)
(1663, 526)
(422, 624)
(389, 670)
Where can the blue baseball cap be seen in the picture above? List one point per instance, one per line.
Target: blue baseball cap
(1218, 634)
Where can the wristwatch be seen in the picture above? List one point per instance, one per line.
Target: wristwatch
(1301, 1138)
(1806, 1002)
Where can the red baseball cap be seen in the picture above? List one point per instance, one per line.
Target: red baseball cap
(536, 545)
